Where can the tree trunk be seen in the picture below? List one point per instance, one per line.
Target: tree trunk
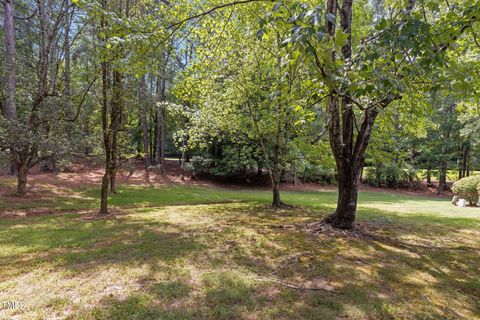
(276, 169)
(116, 119)
(347, 147)
(466, 151)
(22, 179)
(161, 140)
(276, 201)
(155, 137)
(143, 120)
(104, 193)
(13, 168)
(105, 126)
(442, 177)
(151, 137)
(113, 181)
(344, 216)
(429, 173)
(9, 108)
(184, 155)
(161, 96)
(460, 164)
(68, 91)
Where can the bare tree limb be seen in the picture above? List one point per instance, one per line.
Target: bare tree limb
(177, 25)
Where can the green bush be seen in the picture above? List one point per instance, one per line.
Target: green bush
(307, 171)
(318, 173)
(201, 164)
(467, 188)
(390, 175)
(478, 190)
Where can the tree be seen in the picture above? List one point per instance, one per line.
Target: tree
(366, 67)
(251, 89)
(8, 107)
(33, 132)
(113, 108)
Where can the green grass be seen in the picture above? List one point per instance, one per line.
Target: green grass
(184, 252)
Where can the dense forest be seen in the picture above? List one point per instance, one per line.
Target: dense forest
(332, 91)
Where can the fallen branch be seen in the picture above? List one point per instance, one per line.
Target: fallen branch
(297, 286)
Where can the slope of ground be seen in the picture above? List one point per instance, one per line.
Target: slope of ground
(67, 190)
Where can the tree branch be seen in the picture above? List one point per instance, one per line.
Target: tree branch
(177, 25)
(27, 18)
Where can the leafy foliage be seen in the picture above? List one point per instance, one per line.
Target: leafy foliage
(467, 188)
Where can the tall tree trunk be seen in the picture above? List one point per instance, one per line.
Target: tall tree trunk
(155, 137)
(348, 148)
(466, 150)
(105, 127)
(9, 108)
(116, 119)
(161, 96)
(68, 90)
(429, 173)
(151, 136)
(442, 177)
(460, 163)
(143, 120)
(184, 155)
(348, 157)
(161, 139)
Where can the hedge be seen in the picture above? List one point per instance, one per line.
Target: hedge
(467, 188)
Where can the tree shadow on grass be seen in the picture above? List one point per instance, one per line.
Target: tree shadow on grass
(382, 279)
(221, 296)
(237, 253)
(71, 243)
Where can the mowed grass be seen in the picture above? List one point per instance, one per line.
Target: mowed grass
(184, 252)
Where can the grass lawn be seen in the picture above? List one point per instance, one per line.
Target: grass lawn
(184, 252)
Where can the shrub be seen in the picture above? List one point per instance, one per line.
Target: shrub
(307, 171)
(478, 190)
(317, 173)
(390, 175)
(201, 164)
(467, 188)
